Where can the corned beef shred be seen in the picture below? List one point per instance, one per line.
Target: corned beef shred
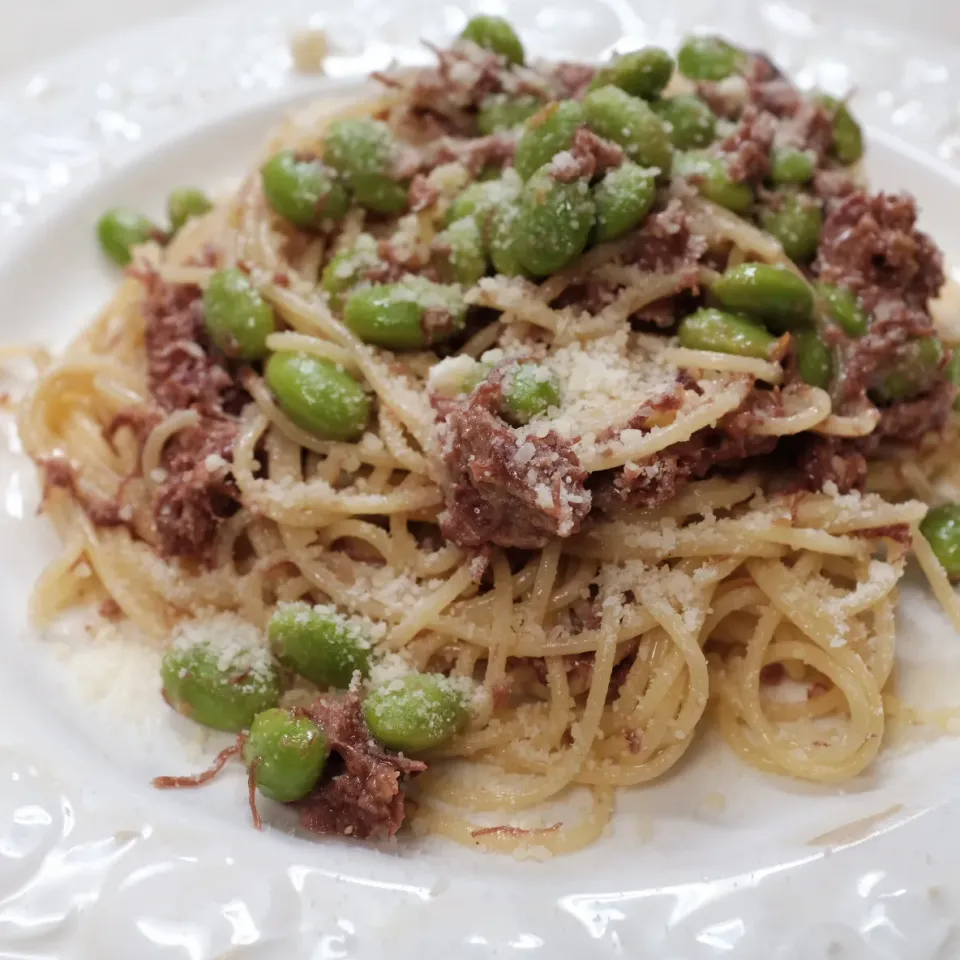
(665, 243)
(496, 497)
(59, 473)
(831, 460)
(197, 493)
(909, 421)
(658, 479)
(870, 244)
(364, 797)
(747, 148)
(588, 156)
(422, 193)
(572, 79)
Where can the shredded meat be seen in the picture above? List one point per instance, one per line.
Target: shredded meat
(366, 798)
(832, 186)
(422, 193)
(909, 421)
(825, 460)
(495, 149)
(665, 243)
(747, 148)
(588, 157)
(504, 491)
(60, 473)
(658, 478)
(181, 373)
(573, 79)
(463, 76)
(198, 493)
(871, 245)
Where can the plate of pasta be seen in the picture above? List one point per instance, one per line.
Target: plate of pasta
(482, 484)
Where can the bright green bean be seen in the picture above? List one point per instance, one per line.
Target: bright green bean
(286, 754)
(415, 713)
(236, 316)
(778, 297)
(318, 396)
(721, 332)
(320, 643)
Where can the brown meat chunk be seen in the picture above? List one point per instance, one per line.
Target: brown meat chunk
(504, 491)
(181, 374)
(747, 148)
(659, 478)
(909, 421)
(572, 79)
(422, 193)
(588, 156)
(665, 243)
(871, 245)
(198, 493)
(365, 799)
(825, 460)
(59, 473)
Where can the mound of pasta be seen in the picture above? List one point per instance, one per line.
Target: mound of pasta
(501, 431)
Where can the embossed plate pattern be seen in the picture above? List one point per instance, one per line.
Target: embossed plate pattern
(716, 862)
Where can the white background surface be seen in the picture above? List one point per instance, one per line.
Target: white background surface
(94, 864)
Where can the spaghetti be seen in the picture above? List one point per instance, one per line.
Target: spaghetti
(679, 531)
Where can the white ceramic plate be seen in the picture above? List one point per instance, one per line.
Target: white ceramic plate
(716, 861)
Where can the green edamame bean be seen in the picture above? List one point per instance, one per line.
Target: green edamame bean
(775, 295)
(548, 132)
(796, 223)
(302, 190)
(623, 198)
(347, 269)
(641, 73)
(319, 643)
(502, 242)
(120, 230)
(317, 395)
(395, 315)
(236, 316)
(952, 373)
(529, 389)
(287, 754)
(688, 120)
(500, 111)
(913, 372)
(362, 151)
(496, 34)
(417, 712)
(184, 203)
(791, 166)
(465, 259)
(630, 122)
(218, 689)
(554, 223)
(814, 359)
(721, 332)
(941, 527)
(845, 309)
(478, 200)
(708, 58)
(710, 176)
(847, 144)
